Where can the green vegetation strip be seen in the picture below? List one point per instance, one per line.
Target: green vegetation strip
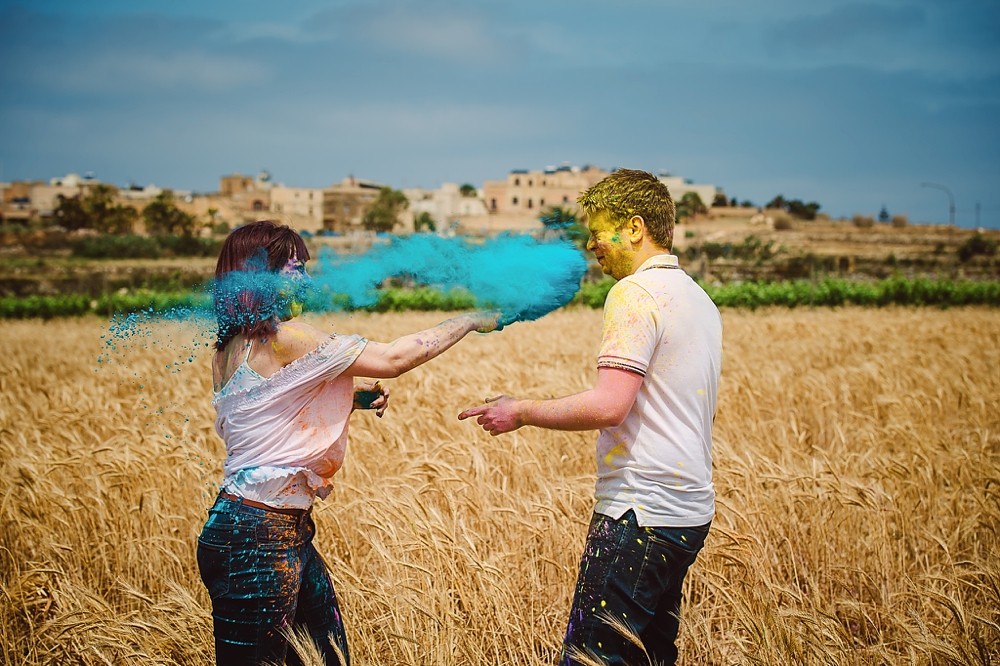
(752, 295)
(832, 292)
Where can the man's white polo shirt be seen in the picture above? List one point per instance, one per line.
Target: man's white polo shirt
(659, 323)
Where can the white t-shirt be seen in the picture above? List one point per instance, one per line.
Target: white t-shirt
(286, 434)
(659, 323)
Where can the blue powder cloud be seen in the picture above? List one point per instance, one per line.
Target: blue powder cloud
(524, 278)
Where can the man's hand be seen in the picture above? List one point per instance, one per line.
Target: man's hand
(371, 395)
(497, 416)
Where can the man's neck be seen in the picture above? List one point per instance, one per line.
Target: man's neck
(644, 253)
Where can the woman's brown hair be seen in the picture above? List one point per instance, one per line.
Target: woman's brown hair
(252, 248)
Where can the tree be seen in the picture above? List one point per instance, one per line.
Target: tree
(563, 221)
(108, 219)
(467, 190)
(690, 205)
(383, 214)
(70, 213)
(424, 221)
(795, 207)
(118, 220)
(977, 244)
(557, 217)
(720, 199)
(803, 211)
(777, 202)
(162, 216)
(883, 215)
(95, 211)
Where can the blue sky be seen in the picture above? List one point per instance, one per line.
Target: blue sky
(851, 104)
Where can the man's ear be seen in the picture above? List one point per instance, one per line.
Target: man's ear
(636, 229)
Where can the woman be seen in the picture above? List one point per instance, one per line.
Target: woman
(284, 392)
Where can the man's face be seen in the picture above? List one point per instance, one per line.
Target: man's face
(612, 249)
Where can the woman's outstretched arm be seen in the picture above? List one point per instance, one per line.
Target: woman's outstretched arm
(383, 361)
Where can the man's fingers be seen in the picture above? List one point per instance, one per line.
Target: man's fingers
(472, 411)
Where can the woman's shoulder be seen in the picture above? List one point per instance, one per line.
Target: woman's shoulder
(294, 340)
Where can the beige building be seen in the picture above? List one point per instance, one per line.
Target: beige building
(16, 205)
(299, 207)
(531, 192)
(446, 205)
(680, 186)
(45, 198)
(250, 196)
(345, 204)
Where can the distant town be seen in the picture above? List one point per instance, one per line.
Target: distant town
(513, 203)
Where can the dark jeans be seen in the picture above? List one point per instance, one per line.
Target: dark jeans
(264, 575)
(634, 575)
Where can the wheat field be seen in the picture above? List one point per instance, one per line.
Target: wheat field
(857, 464)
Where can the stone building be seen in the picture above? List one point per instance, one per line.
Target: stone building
(299, 207)
(531, 192)
(250, 196)
(345, 204)
(446, 205)
(680, 186)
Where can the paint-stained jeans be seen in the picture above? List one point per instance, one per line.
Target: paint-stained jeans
(632, 574)
(263, 575)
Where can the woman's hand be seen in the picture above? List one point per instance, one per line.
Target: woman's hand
(487, 321)
(371, 395)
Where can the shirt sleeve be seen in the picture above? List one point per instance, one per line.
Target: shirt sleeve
(629, 336)
(338, 354)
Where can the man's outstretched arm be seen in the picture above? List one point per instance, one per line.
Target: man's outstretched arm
(606, 405)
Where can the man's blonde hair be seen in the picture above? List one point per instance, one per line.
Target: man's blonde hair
(629, 192)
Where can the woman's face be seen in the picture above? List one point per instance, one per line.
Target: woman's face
(293, 270)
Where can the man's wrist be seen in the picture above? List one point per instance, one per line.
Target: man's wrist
(523, 412)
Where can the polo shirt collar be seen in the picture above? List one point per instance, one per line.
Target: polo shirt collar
(659, 261)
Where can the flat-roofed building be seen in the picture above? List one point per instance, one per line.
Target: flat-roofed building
(446, 205)
(300, 207)
(531, 192)
(236, 184)
(345, 204)
(680, 186)
(250, 196)
(16, 205)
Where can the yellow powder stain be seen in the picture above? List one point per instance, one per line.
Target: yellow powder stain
(618, 450)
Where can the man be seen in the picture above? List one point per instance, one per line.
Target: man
(654, 403)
